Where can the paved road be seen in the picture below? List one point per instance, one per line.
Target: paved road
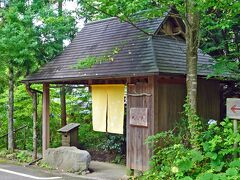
(14, 172)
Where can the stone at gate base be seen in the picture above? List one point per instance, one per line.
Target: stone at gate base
(68, 159)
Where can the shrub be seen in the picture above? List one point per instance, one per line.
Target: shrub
(115, 143)
(174, 159)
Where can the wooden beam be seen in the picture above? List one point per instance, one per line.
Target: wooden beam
(45, 118)
(63, 106)
(153, 80)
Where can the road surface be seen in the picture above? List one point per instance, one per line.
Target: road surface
(14, 172)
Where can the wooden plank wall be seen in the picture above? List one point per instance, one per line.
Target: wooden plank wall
(209, 99)
(171, 100)
(165, 106)
(138, 153)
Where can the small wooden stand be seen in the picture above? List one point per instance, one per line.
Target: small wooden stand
(70, 134)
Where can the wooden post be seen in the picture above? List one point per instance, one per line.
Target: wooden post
(45, 118)
(34, 157)
(63, 106)
(235, 130)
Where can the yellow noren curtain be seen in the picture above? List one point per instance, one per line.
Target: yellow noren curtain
(108, 108)
(99, 108)
(115, 109)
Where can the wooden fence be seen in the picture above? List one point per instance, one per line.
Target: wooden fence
(22, 128)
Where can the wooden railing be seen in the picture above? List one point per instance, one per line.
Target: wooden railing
(15, 131)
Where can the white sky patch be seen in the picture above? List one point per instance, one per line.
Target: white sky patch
(70, 5)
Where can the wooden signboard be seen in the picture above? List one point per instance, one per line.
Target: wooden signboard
(138, 116)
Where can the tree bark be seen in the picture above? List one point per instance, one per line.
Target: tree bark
(60, 7)
(34, 96)
(192, 43)
(11, 109)
(60, 13)
(62, 90)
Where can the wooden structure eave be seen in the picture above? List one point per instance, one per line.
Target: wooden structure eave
(97, 79)
(85, 80)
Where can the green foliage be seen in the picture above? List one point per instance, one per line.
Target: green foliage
(114, 142)
(22, 117)
(89, 61)
(23, 156)
(213, 160)
(19, 155)
(194, 124)
(43, 164)
(3, 152)
(30, 35)
(220, 32)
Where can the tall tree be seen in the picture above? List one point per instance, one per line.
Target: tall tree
(29, 37)
(15, 46)
(62, 90)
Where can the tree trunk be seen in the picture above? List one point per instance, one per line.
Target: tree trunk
(34, 96)
(192, 43)
(60, 13)
(62, 90)
(11, 109)
(60, 7)
(63, 106)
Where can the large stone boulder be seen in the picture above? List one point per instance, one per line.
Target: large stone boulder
(69, 159)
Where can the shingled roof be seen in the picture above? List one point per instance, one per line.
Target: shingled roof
(139, 54)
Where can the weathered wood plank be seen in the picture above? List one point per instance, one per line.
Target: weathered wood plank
(171, 100)
(208, 99)
(138, 152)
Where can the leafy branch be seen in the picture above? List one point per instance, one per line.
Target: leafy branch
(90, 61)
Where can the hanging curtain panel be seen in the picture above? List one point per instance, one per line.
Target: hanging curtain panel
(108, 108)
(99, 107)
(115, 108)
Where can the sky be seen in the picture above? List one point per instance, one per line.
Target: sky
(71, 6)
